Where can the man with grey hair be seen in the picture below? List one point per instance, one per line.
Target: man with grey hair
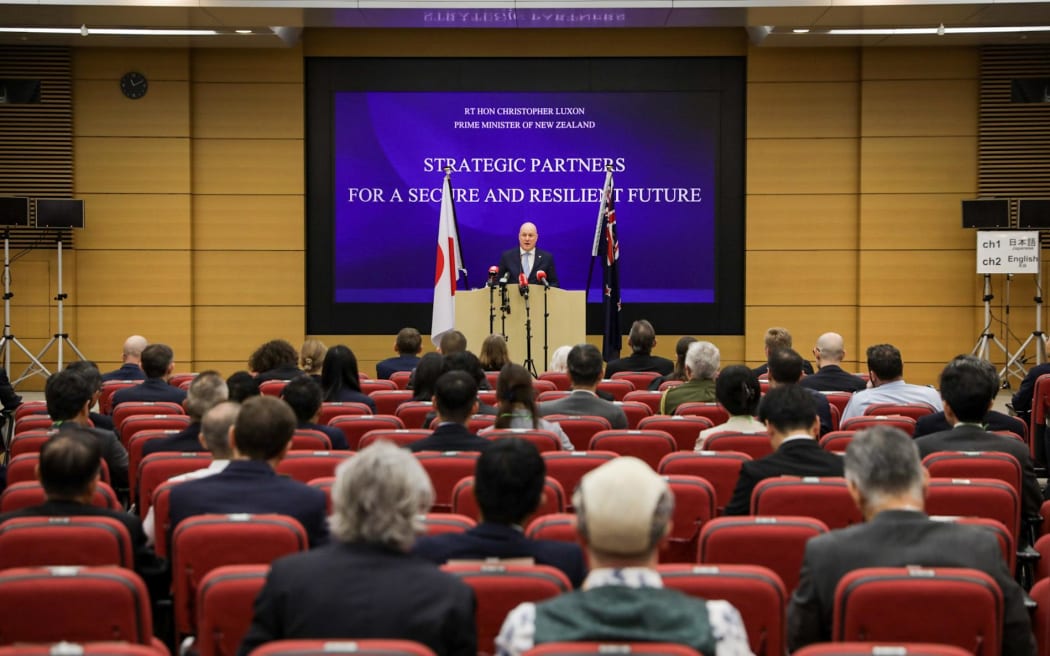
(702, 361)
(829, 352)
(364, 584)
(585, 372)
(888, 483)
(206, 391)
(642, 340)
(131, 359)
(623, 513)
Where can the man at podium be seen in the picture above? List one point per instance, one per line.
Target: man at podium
(527, 259)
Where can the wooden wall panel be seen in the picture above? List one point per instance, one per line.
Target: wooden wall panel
(102, 111)
(247, 166)
(802, 166)
(243, 111)
(132, 165)
(111, 63)
(913, 221)
(802, 278)
(919, 107)
(230, 334)
(918, 165)
(802, 109)
(142, 278)
(135, 221)
(806, 324)
(928, 337)
(800, 222)
(244, 65)
(264, 278)
(916, 278)
(103, 329)
(803, 64)
(941, 63)
(248, 223)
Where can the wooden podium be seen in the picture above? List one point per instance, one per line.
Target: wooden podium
(567, 323)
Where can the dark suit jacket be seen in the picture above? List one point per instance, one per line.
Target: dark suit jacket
(832, 378)
(972, 438)
(823, 411)
(582, 402)
(187, 441)
(384, 368)
(510, 263)
(102, 421)
(995, 421)
(450, 437)
(639, 362)
(336, 436)
(801, 457)
(898, 538)
(251, 486)
(151, 389)
(489, 540)
(280, 373)
(763, 369)
(127, 371)
(114, 453)
(1022, 399)
(8, 398)
(364, 591)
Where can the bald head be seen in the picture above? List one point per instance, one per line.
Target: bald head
(133, 347)
(830, 349)
(527, 236)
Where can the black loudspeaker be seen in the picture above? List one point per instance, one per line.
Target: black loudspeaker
(1034, 213)
(986, 213)
(14, 211)
(59, 213)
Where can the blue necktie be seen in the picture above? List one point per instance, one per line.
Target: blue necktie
(525, 268)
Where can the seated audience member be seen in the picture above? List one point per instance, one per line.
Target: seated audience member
(642, 340)
(993, 421)
(274, 360)
(304, 397)
(206, 391)
(887, 384)
(456, 399)
(431, 367)
(468, 362)
(968, 386)
(494, 353)
(261, 437)
(517, 405)
(451, 342)
(341, 380)
(131, 357)
(681, 347)
(89, 370)
(585, 372)
(1021, 401)
(785, 368)
(830, 351)
(508, 484)
(311, 358)
(408, 345)
(888, 483)
(68, 394)
(777, 339)
(364, 584)
(158, 362)
(215, 437)
(10, 401)
(1021, 404)
(242, 386)
(702, 360)
(738, 391)
(791, 419)
(560, 359)
(69, 472)
(623, 512)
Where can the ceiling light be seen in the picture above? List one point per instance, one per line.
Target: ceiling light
(243, 31)
(803, 30)
(940, 30)
(107, 31)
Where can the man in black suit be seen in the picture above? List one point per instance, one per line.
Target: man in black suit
(131, 357)
(785, 368)
(777, 339)
(527, 259)
(158, 361)
(206, 391)
(407, 346)
(888, 482)
(585, 372)
(508, 484)
(303, 395)
(69, 395)
(830, 376)
(968, 384)
(993, 420)
(261, 437)
(642, 340)
(89, 370)
(791, 418)
(364, 584)
(456, 398)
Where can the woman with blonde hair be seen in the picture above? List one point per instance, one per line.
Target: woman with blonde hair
(311, 358)
(494, 353)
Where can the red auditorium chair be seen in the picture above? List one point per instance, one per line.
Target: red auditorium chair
(74, 604)
(543, 440)
(342, 647)
(401, 378)
(551, 395)
(881, 649)
(1040, 593)
(305, 466)
(778, 543)
(634, 411)
(49, 541)
(136, 445)
(500, 588)
(559, 378)
(756, 445)
(555, 526)
(29, 441)
(492, 377)
(540, 385)
(1001, 533)
(22, 469)
(956, 606)
(464, 503)
(824, 498)
(305, 439)
(136, 423)
(668, 384)
(156, 468)
(177, 380)
(272, 387)
(640, 379)
(756, 591)
(606, 647)
(685, 429)
(30, 408)
(202, 543)
(580, 428)
(906, 424)
(399, 436)
(694, 506)
(977, 497)
(838, 400)
(1040, 400)
(488, 396)
(647, 445)
(85, 649)
(441, 523)
(476, 423)
(836, 441)
(325, 485)
(27, 494)
(161, 503)
(914, 410)
(651, 399)
(414, 413)
(109, 388)
(568, 467)
(377, 384)
(719, 468)
(975, 464)
(122, 411)
(355, 427)
(712, 410)
(387, 401)
(32, 422)
(617, 388)
(332, 409)
(445, 470)
(225, 602)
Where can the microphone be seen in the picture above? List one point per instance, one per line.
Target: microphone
(542, 277)
(523, 284)
(504, 280)
(493, 271)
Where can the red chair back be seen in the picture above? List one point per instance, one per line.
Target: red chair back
(157, 468)
(32, 422)
(559, 378)
(651, 399)
(634, 411)
(580, 429)
(58, 541)
(344, 647)
(30, 441)
(719, 468)
(543, 440)
(401, 378)
(568, 467)
(778, 543)
(377, 384)
(694, 506)
(22, 469)
(551, 395)
(756, 445)
(617, 388)
(305, 466)
(109, 388)
(713, 411)
(272, 387)
(877, 648)
(824, 498)
(554, 526)
(387, 401)
(1001, 533)
(225, 602)
(305, 439)
(332, 409)
(599, 648)
(647, 445)
(136, 445)
(541, 385)
(127, 409)
(442, 523)
(355, 427)
(399, 436)
(640, 379)
(684, 429)
(27, 494)
(976, 464)
(136, 423)
(179, 380)
(465, 503)
(837, 440)
(30, 408)
(445, 471)
(914, 410)
(906, 424)
(975, 497)
(414, 413)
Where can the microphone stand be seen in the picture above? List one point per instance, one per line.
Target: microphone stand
(492, 305)
(546, 316)
(528, 364)
(504, 308)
